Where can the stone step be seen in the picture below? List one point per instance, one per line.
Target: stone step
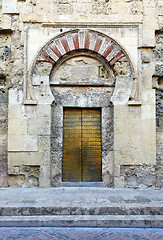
(120, 221)
(83, 207)
(110, 209)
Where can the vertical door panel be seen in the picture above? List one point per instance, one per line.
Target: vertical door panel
(72, 145)
(91, 145)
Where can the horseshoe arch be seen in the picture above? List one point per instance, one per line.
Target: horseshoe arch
(96, 43)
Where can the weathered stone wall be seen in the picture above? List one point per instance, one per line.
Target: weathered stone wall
(158, 85)
(25, 28)
(3, 132)
(11, 76)
(4, 56)
(82, 7)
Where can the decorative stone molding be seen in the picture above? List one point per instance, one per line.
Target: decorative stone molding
(86, 41)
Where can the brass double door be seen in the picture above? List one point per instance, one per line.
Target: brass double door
(82, 145)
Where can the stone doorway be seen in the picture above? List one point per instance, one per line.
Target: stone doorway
(82, 82)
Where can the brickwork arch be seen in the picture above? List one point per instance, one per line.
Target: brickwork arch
(80, 39)
(86, 40)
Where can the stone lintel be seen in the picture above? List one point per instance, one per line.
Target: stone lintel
(91, 24)
(112, 18)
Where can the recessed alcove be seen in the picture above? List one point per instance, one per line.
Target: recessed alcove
(82, 82)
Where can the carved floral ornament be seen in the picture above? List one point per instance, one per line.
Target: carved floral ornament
(81, 40)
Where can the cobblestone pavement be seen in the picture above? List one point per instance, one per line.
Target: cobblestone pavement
(80, 234)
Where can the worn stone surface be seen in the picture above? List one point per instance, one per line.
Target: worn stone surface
(136, 175)
(28, 176)
(159, 119)
(91, 71)
(3, 132)
(4, 55)
(94, 7)
(158, 85)
(11, 70)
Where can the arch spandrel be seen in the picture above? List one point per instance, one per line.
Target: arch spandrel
(98, 44)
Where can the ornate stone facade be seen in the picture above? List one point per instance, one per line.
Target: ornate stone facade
(69, 53)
